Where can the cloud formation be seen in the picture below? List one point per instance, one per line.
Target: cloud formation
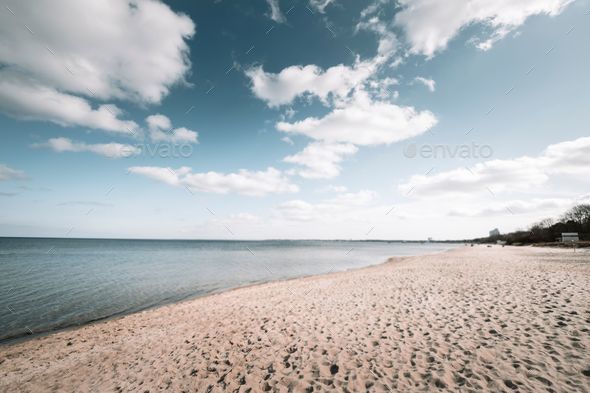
(364, 122)
(565, 158)
(244, 182)
(161, 130)
(295, 81)
(31, 101)
(110, 150)
(321, 160)
(429, 25)
(77, 52)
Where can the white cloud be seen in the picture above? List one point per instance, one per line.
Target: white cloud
(177, 135)
(161, 130)
(132, 50)
(571, 157)
(117, 49)
(495, 175)
(429, 83)
(534, 205)
(321, 160)
(7, 173)
(341, 208)
(26, 100)
(320, 5)
(362, 121)
(294, 81)
(159, 122)
(245, 182)
(275, 11)
(110, 150)
(429, 25)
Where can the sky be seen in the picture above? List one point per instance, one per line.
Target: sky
(274, 119)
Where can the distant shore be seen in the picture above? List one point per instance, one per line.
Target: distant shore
(474, 318)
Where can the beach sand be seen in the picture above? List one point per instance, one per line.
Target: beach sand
(472, 319)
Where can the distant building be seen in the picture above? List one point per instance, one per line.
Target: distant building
(570, 237)
(494, 232)
(430, 239)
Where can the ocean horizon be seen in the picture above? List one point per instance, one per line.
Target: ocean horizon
(49, 284)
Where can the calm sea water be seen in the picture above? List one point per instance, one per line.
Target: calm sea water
(47, 284)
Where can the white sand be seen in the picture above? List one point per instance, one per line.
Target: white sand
(473, 319)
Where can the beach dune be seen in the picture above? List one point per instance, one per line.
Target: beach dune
(471, 319)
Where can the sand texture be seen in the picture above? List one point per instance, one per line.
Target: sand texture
(472, 320)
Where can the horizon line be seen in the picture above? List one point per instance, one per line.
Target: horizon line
(239, 240)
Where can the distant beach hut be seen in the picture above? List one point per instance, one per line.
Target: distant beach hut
(569, 237)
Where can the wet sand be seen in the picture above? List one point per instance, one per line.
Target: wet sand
(472, 319)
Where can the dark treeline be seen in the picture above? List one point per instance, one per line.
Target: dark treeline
(576, 219)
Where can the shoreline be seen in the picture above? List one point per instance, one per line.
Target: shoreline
(471, 318)
(27, 337)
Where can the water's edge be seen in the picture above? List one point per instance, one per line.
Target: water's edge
(68, 327)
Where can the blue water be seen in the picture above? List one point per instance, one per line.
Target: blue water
(47, 284)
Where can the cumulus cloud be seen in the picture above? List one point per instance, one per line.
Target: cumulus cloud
(496, 175)
(7, 173)
(360, 115)
(27, 100)
(329, 85)
(429, 83)
(161, 130)
(363, 121)
(116, 49)
(571, 157)
(110, 150)
(245, 182)
(275, 11)
(295, 81)
(77, 52)
(430, 25)
(321, 160)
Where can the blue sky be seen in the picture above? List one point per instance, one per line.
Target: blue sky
(324, 119)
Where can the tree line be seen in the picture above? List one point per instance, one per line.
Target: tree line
(548, 230)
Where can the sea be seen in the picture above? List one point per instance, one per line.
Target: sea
(48, 284)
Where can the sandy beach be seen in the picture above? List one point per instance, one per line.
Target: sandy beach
(472, 319)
